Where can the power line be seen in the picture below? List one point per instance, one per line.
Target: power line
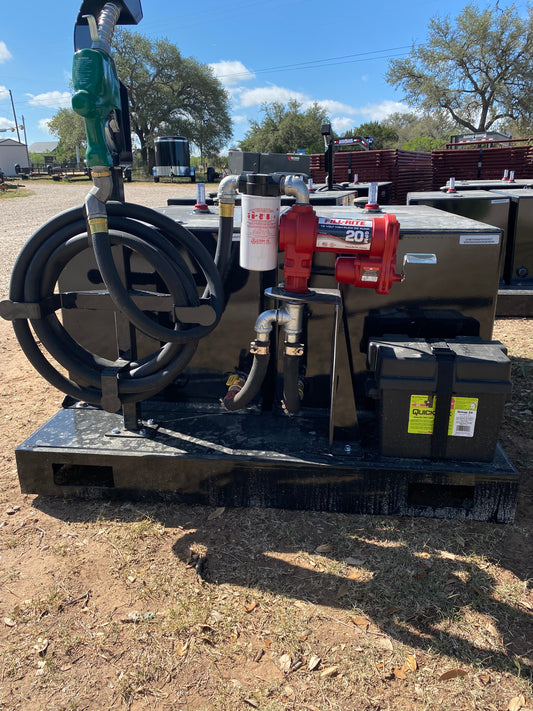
(325, 62)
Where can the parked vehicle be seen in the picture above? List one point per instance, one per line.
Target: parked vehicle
(172, 158)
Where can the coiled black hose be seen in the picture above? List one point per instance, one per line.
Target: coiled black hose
(160, 241)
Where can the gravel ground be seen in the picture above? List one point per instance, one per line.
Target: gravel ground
(20, 217)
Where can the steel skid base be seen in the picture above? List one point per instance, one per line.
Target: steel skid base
(194, 453)
(515, 301)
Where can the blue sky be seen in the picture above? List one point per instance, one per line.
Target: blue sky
(262, 50)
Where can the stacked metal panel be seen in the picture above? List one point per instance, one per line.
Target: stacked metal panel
(318, 167)
(407, 170)
(481, 163)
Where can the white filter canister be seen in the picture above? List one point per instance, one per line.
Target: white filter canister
(259, 232)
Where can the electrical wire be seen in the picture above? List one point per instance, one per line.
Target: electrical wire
(325, 62)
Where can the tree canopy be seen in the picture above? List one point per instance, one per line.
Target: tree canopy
(420, 133)
(285, 128)
(384, 136)
(69, 127)
(477, 69)
(170, 94)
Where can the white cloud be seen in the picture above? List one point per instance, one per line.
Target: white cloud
(4, 93)
(235, 92)
(343, 116)
(377, 112)
(342, 124)
(5, 54)
(333, 107)
(6, 123)
(269, 94)
(43, 125)
(231, 72)
(51, 100)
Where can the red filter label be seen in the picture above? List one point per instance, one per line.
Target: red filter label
(261, 225)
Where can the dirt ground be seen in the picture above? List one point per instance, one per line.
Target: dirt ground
(115, 605)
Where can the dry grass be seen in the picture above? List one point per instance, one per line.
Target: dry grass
(6, 194)
(104, 607)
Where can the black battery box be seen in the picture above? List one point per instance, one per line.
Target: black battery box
(439, 399)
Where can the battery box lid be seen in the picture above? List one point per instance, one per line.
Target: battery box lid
(400, 363)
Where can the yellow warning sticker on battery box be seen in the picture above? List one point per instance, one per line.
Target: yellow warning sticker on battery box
(462, 422)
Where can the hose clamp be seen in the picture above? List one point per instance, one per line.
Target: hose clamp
(294, 349)
(259, 349)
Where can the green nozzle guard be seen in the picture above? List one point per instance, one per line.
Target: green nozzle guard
(97, 93)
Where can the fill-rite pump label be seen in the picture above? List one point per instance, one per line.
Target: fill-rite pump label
(344, 233)
(462, 422)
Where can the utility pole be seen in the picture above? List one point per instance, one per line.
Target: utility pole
(26, 141)
(14, 114)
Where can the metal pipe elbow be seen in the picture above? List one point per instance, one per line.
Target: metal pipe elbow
(227, 189)
(289, 316)
(295, 186)
(265, 322)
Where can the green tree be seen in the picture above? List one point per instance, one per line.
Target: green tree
(420, 133)
(424, 144)
(69, 127)
(477, 69)
(384, 136)
(170, 94)
(285, 128)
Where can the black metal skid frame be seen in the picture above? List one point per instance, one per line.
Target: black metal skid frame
(197, 455)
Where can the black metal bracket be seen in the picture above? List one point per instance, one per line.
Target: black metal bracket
(130, 14)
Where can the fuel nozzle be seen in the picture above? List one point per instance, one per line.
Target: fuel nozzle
(96, 85)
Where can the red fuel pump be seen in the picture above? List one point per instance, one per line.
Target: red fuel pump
(365, 246)
(371, 244)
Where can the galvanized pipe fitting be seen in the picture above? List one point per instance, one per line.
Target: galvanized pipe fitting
(295, 186)
(264, 324)
(227, 189)
(289, 316)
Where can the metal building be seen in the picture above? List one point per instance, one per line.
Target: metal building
(12, 153)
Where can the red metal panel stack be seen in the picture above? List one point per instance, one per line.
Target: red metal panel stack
(317, 167)
(414, 172)
(481, 163)
(407, 170)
